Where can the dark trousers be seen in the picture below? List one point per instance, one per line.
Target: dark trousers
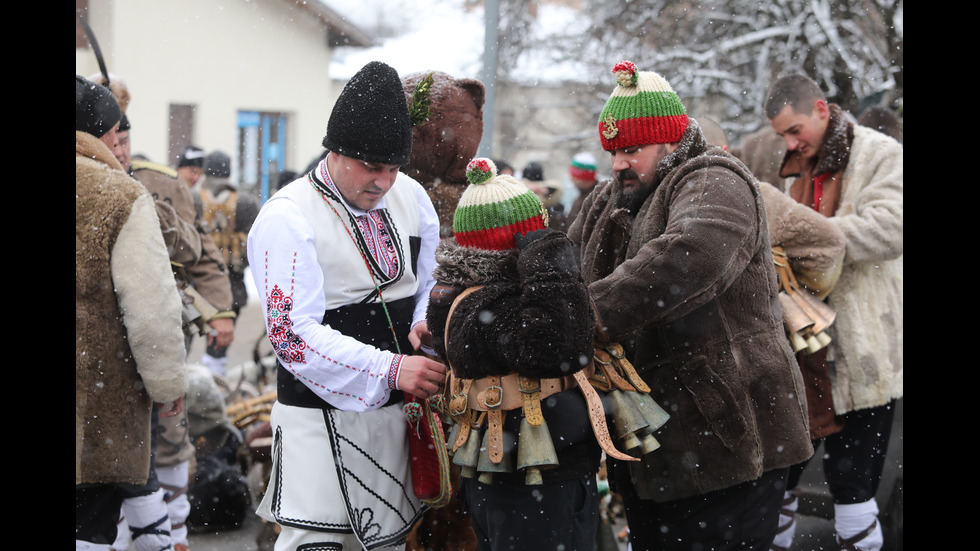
(559, 515)
(743, 517)
(854, 458)
(97, 512)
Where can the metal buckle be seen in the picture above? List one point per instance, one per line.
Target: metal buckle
(486, 397)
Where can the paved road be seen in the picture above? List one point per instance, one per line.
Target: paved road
(813, 534)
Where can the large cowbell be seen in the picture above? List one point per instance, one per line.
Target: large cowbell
(468, 456)
(486, 466)
(650, 410)
(632, 416)
(535, 451)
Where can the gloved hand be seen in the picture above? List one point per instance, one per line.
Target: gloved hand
(530, 237)
(545, 253)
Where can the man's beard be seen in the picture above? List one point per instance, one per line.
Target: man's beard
(632, 199)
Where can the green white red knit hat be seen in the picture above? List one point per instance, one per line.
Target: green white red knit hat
(493, 208)
(583, 166)
(643, 109)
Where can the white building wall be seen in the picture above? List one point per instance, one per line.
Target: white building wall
(221, 56)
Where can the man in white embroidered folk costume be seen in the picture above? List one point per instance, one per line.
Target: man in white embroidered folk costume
(343, 259)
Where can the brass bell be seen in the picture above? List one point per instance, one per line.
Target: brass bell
(653, 414)
(824, 338)
(794, 316)
(813, 344)
(535, 451)
(626, 420)
(648, 442)
(468, 456)
(451, 439)
(487, 467)
(651, 411)
(798, 342)
(822, 315)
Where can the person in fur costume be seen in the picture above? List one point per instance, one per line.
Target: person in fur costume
(853, 176)
(678, 260)
(443, 146)
(530, 316)
(165, 494)
(129, 349)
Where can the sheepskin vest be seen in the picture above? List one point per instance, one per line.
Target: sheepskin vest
(112, 409)
(344, 252)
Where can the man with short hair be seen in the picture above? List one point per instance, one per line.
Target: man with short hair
(343, 260)
(676, 252)
(190, 164)
(854, 176)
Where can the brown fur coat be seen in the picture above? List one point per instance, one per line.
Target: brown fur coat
(688, 284)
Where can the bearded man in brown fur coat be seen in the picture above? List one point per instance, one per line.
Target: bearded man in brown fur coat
(676, 254)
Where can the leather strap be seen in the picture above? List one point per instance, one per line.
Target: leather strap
(789, 513)
(619, 360)
(462, 416)
(849, 543)
(459, 388)
(530, 389)
(610, 376)
(597, 416)
(512, 396)
(493, 397)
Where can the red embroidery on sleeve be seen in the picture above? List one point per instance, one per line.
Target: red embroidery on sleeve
(288, 346)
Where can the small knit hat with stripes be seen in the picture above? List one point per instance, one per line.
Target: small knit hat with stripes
(643, 109)
(583, 166)
(493, 208)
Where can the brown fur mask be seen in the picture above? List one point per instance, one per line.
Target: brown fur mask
(117, 86)
(448, 141)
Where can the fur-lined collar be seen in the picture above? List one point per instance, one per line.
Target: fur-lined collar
(87, 145)
(467, 266)
(835, 149)
(691, 145)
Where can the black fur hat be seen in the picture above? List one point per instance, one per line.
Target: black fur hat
(97, 111)
(217, 165)
(191, 156)
(370, 120)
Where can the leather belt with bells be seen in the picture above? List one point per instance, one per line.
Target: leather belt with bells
(492, 400)
(490, 395)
